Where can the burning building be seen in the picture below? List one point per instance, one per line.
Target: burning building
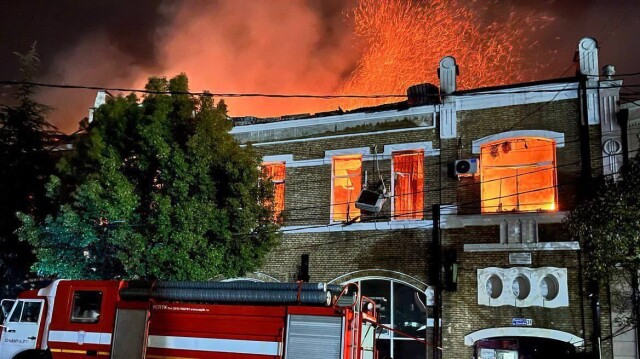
(457, 199)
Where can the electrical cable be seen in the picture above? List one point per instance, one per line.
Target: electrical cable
(476, 92)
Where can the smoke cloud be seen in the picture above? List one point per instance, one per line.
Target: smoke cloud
(275, 46)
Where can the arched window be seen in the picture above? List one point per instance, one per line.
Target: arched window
(518, 174)
(401, 307)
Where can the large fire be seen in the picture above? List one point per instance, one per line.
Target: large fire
(292, 47)
(405, 40)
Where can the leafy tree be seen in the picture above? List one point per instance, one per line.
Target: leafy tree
(26, 139)
(608, 226)
(156, 189)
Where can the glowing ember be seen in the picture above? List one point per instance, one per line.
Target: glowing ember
(405, 40)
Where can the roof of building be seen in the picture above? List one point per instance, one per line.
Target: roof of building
(401, 105)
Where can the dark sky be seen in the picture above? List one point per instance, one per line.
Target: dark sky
(121, 42)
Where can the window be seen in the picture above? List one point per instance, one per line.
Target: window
(17, 311)
(26, 312)
(276, 172)
(86, 307)
(408, 181)
(404, 308)
(518, 174)
(346, 177)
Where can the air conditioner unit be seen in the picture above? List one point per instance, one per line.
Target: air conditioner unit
(370, 201)
(463, 168)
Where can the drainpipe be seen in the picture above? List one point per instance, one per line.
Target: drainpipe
(586, 174)
(436, 270)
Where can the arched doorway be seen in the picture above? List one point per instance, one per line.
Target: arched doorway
(401, 306)
(523, 343)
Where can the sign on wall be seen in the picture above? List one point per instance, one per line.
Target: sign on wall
(520, 258)
(522, 322)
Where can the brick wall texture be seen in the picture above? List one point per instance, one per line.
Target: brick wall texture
(334, 254)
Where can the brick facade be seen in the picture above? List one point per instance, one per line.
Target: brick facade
(339, 253)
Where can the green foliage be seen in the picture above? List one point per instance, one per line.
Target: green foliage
(608, 227)
(25, 165)
(157, 189)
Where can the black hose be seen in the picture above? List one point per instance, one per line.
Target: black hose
(229, 295)
(240, 285)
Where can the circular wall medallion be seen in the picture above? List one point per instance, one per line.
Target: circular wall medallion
(521, 287)
(612, 147)
(494, 286)
(549, 287)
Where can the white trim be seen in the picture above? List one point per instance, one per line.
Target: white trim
(383, 271)
(521, 247)
(453, 220)
(517, 96)
(556, 136)
(475, 101)
(471, 338)
(363, 151)
(367, 226)
(426, 146)
(65, 336)
(214, 345)
(277, 158)
(255, 144)
(359, 116)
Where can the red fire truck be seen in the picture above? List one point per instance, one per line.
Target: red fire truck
(180, 320)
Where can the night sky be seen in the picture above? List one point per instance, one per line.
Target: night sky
(257, 46)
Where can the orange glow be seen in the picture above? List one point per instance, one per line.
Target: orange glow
(518, 174)
(347, 184)
(408, 195)
(382, 46)
(405, 40)
(276, 172)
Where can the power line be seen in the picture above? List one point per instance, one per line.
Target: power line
(426, 211)
(479, 92)
(457, 187)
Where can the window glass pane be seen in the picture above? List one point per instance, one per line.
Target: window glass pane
(31, 312)
(409, 310)
(86, 306)
(380, 292)
(518, 174)
(15, 317)
(413, 349)
(347, 184)
(408, 176)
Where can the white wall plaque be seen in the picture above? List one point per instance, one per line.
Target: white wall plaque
(520, 258)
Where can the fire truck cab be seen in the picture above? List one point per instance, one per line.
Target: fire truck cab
(181, 320)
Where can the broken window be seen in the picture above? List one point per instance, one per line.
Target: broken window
(275, 171)
(518, 174)
(346, 176)
(408, 177)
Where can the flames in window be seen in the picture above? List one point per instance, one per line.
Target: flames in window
(408, 194)
(275, 171)
(518, 174)
(347, 184)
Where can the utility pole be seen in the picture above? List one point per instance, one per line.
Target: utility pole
(436, 275)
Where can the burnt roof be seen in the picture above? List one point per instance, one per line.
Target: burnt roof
(398, 106)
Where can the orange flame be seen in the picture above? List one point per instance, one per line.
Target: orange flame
(405, 40)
